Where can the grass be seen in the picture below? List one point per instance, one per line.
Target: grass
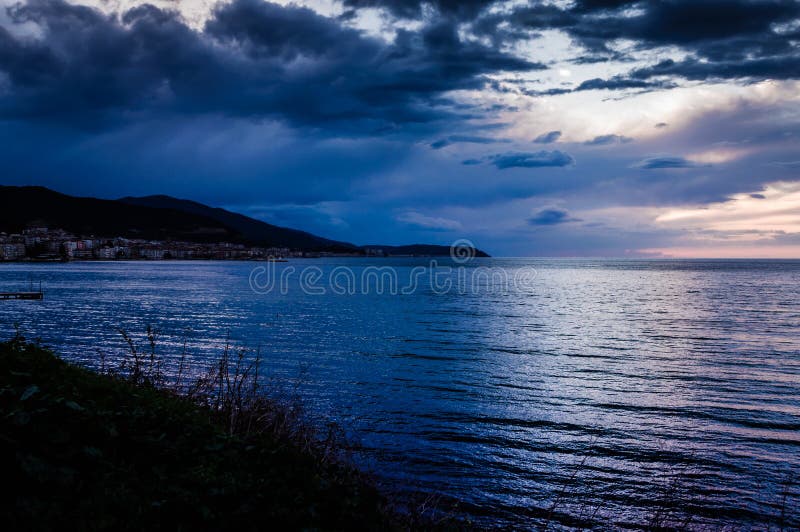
(124, 451)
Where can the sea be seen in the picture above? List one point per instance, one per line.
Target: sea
(514, 393)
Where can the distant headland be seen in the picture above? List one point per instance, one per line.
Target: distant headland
(37, 223)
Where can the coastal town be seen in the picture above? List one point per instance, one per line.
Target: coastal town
(43, 244)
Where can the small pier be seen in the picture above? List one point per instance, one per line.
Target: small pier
(21, 295)
(31, 293)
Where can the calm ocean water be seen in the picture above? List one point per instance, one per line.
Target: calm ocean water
(617, 392)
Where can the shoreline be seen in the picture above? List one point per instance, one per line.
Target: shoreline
(288, 259)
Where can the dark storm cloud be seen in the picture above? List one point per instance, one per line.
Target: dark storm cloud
(539, 159)
(411, 9)
(658, 163)
(601, 5)
(707, 26)
(611, 84)
(618, 83)
(723, 39)
(605, 140)
(551, 216)
(780, 67)
(547, 138)
(252, 59)
(468, 139)
(255, 59)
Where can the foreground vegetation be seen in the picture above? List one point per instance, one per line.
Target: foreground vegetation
(123, 451)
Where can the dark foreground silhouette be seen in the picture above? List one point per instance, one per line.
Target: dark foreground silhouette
(86, 451)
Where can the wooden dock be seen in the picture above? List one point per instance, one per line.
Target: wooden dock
(22, 295)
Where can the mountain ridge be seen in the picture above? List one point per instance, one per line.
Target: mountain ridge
(162, 217)
(251, 229)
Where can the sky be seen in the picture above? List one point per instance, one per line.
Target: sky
(557, 128)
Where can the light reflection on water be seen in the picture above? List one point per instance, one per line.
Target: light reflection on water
(603, 382)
